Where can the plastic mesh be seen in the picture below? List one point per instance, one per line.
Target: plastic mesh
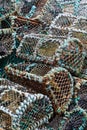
(6, 7)
(27, 29)
(82, 36)
(24, 26)
(47, 10)
(6, 42)
(60, 88)
(72, 55)
(83, 88)
(27, 47)
(76, 119)
(81, 85)
(5, 120)
(84, 70)
(46, 50)
(70, 6)
(64, 20)
(18, 21)
(61, 25)
(81, 24)
(83, 102)
(62, 33)
(4, 83)
(36, 114)
(3, 12)
(29, 8)
(40, 69)
(82, 9)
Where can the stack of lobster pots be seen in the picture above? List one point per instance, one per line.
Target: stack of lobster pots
(43, 67)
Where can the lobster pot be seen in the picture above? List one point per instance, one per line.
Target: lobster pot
(61, 25)
(57, 83)
(39, 48)
(81, 87)
(72, 55)
(47, 10)
(75, 119)
(24, 26)
(8, 105)
(27, 46)
(9, 102)
(7, 42)
(22, 110)
(39, 9)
